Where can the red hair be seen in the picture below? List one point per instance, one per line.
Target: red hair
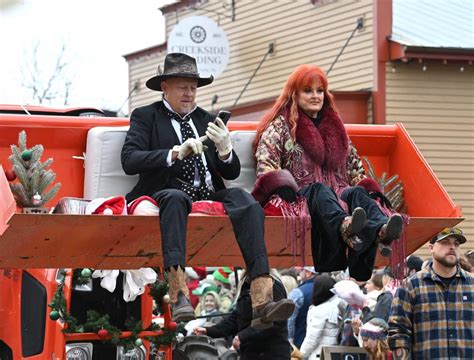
(286, 104)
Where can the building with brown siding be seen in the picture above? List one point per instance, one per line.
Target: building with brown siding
(397, 61)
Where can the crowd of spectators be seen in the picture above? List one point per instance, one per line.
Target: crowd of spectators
(382, 315)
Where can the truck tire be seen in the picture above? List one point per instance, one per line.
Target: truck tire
(5, 352)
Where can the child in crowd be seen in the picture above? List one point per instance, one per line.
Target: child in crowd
(221, 278)
(374, 337)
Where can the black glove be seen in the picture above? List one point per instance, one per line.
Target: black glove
(286, 193)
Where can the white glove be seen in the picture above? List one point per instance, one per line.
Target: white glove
(134, 282)
(219, 134)
(189, 147)
(109, 278)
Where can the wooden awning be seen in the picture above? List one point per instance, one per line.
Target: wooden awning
(406, 53)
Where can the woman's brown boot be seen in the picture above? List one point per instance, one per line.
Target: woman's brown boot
(181, 308)
(351, 226)
(265, 310)
(389, 232)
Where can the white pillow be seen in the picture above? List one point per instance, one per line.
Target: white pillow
(104, 176)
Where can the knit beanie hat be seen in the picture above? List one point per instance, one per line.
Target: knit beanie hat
(374, 329)
(222, 274)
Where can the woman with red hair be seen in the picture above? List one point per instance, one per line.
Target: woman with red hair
(302, 149)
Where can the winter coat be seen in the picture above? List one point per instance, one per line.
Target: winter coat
(381, 308)
(322, 328)
(372, 298)
(319, 154)
(304, 294)
(268, 344)
(147, 145)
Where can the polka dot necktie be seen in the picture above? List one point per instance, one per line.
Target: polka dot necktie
(190, 163)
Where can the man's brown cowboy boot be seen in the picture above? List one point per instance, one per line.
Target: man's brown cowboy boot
(265, 310)
(181, 308)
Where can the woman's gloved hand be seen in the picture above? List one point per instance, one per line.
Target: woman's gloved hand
(219, 134)
(286, 193)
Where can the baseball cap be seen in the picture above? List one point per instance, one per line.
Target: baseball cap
(455, 232)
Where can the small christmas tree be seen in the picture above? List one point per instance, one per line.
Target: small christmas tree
(33, 177)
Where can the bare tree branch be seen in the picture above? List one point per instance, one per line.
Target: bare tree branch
(67, 88)
(48, 90)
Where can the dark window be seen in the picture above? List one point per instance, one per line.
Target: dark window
(33, 315)
(105, 302)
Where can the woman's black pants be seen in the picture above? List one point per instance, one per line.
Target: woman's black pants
(330, 253)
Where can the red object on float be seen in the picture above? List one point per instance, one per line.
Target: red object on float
(10, 175)
(103, 333)
(172, 326)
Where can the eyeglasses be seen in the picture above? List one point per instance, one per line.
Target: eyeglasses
(469, 253)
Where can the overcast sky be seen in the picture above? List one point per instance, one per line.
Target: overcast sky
(95, 33)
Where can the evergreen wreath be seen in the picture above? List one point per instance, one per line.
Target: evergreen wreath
(100, 324)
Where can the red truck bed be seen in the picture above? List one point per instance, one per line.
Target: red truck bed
(58, 240)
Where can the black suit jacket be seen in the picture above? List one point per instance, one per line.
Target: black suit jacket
(148, 142)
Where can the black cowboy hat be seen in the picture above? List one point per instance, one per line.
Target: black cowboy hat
(178, 65)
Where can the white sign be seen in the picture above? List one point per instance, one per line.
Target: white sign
(201, 38)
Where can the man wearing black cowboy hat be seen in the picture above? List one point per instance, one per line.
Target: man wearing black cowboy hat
(164, 145)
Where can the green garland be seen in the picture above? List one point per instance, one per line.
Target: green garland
(81, 276)
(168, 337)
(157, 291)
(96, 322)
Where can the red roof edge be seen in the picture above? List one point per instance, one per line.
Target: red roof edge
(404, 52)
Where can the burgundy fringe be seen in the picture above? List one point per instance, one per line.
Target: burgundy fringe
(297, 221)
(398, 263)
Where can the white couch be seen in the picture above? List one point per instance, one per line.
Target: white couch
(104, 176)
